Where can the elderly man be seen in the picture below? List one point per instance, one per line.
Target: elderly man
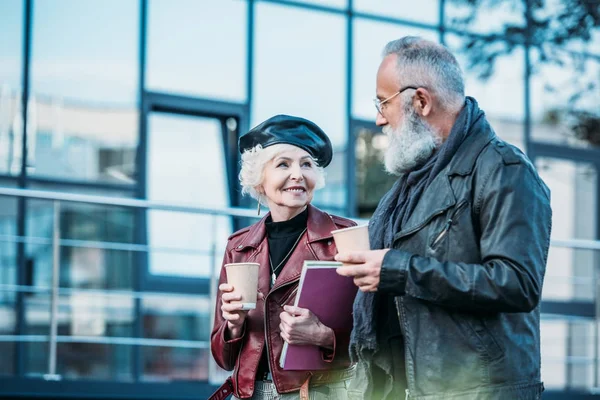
(449, 293)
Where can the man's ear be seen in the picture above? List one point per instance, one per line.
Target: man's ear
(423, 102)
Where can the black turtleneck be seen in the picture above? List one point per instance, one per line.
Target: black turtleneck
(282, 236)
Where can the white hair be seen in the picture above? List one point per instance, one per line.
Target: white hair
(253, 165)
(429, 65)
(411, 144)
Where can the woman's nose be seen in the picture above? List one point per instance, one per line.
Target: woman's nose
(296, 173)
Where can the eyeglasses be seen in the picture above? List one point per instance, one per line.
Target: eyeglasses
(380, 104)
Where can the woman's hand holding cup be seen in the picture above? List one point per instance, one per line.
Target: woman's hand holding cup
(232, 310)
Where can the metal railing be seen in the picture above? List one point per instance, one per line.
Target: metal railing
(57, 242)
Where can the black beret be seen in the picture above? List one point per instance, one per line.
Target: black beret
(285, 129)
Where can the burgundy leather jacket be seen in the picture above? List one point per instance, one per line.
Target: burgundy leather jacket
(242, 355)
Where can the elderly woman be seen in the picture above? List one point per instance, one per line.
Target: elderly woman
(282, 165)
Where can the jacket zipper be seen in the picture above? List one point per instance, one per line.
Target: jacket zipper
(449, 223)
(418, 227)
(238, 362)
(288, 297)
(401, 317)
(443, 233)
(265, 324)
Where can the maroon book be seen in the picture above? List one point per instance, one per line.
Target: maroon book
(330, 297)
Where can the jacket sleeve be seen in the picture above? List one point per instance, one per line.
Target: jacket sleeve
(224, 351)
(339, 355)
(515, 220)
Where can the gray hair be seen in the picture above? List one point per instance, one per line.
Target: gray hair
(253, 165)
(429, 65)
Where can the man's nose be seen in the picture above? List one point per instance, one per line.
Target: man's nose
(380, 120)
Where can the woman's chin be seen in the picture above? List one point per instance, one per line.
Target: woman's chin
(297, 203)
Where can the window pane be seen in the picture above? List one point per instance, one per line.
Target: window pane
(313, 86)
(553, 88)
(488, 18)
(87, 323)
(178, 318)
(82, 265)
(206, 55)
(502, 95)
(372, 181)
(84, 82)
(567, 353)
(570, 272)
(553, 10)
(425, 11)
(8, 275)
(370, 37)
(163, 363)
(187, 166)
(11, 26)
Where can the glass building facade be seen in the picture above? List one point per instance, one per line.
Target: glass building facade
(146, 99)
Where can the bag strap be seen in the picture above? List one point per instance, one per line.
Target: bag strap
(223, 391)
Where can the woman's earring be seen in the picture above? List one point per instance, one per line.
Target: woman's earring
(258, 207)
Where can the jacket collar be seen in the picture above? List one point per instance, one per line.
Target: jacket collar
(439, 196)
(319, 227)
(463, 162)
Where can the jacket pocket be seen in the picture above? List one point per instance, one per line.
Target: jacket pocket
(452, 220)
(487, 343)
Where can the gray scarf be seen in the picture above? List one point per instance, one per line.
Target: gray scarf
(396, 206)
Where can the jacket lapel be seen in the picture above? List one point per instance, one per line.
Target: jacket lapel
(319, 226)
(439, 197)
(435, 200)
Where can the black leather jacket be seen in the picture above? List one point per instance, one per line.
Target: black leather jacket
(467, 272)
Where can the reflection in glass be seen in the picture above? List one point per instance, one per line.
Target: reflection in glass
(556, 90)
(424, 11)
(552, 11)
(502, 95)
(569, 272)
(370, 37)
(11, 50)
(567, 353)
(490, 17)
(7, 349)
(187, 166)
(372, 181)
(81, 361)
(81, 266)
(36, 361)
(171, 363)
(84, 83)
(83, 317)
(177, 317)
(311, 86)
(8, 276)
(185, 318)
(206, 55)
(94, 361)
(332, 197)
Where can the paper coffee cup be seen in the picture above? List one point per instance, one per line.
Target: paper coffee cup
(355, 238)
(244, 279)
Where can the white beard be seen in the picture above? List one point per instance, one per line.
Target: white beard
(411, 145)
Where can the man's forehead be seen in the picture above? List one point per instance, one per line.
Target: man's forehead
(387, 74)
